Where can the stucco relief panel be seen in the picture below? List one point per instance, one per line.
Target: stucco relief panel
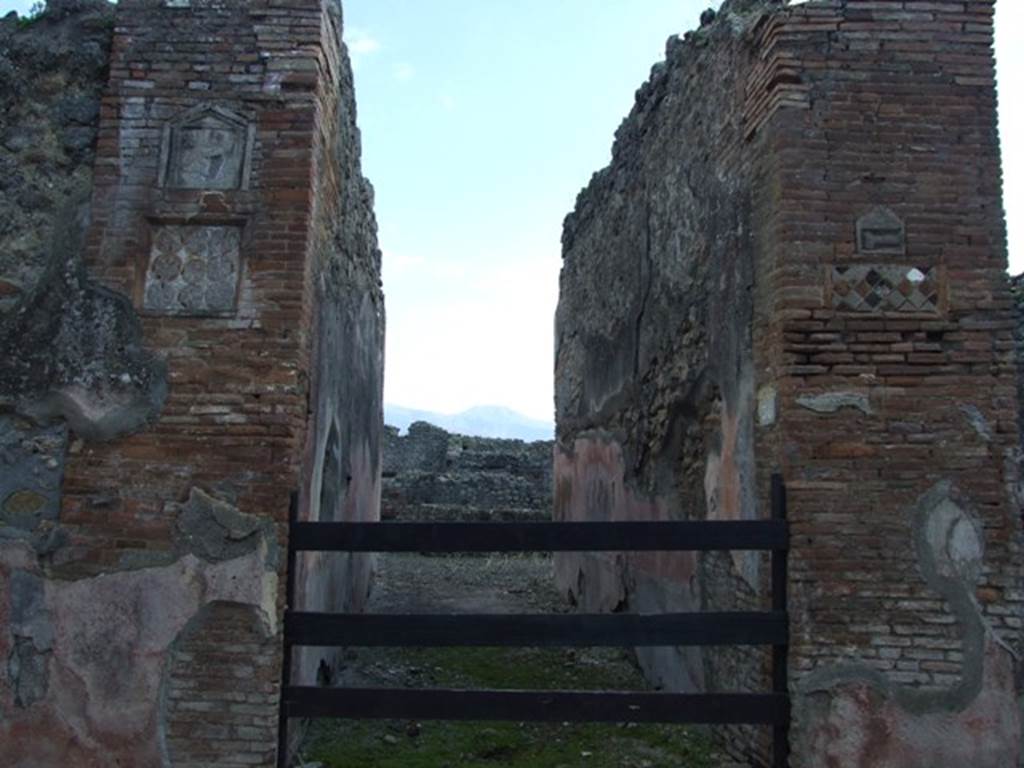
(193, 270)
(207, 147)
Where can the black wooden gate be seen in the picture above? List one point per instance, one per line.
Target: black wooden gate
(627, 630)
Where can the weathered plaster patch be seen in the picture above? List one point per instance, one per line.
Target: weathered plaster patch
(216, 530)
(101, 411)
(831, 402)
(31, 470)
(672, 668)
(767, 405)
(73, 351)
(977, 421)
(32, 639)
(28, 672)
(589, 482)
(348, 430)
(841, 707)
(28, 613)
(730, 472)
(860, 725)
(105, 639)
(590, 485)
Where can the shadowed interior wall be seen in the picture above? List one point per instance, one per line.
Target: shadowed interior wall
(342, 453)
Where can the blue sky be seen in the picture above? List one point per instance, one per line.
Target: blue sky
(481, 121)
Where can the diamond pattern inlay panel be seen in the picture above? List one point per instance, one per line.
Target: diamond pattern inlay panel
(193, 270)
(885, 288)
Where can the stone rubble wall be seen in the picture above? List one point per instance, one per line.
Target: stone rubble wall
(185, 352)
(431, 474)
(53, 70)
(1017, 289)
(655, 370)
(795, 262)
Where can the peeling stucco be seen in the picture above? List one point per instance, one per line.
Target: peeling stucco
(94, 649)
(830, 402)
(843, 706)
(977, 421)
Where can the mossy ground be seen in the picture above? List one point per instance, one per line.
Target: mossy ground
(414, 584)
(513, 745)
(443, 744)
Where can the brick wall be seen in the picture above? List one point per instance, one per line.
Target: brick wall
(891, 342)
(238, 379)
(220, 684)
(233, 231)
(875, 368)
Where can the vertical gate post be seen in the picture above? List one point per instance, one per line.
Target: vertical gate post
(780, 653)
(286, 651)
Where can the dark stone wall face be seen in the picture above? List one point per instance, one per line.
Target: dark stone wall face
(1017, 289)
(53, 70)
(430, 473)
(342, 464)
(654, 365)
(845, 320)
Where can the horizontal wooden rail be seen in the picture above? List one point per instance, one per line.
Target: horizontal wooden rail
(535, 706)
(576, 630)
(681, 535)
(581, 630)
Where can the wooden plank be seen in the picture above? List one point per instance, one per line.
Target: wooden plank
(780, 653)
(534, 706)
(286, 662)
(617, 629)
(688, 535)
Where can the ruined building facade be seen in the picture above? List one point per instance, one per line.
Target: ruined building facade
(196, 348)
(795, 263)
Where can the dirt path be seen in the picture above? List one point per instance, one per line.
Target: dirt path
(487, 584)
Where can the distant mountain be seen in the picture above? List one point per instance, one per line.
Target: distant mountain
(481, 421)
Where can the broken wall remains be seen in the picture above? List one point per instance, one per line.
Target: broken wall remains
(431, 474)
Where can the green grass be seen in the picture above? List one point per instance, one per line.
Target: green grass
(441, 744)
(513, 745)
(598, 669)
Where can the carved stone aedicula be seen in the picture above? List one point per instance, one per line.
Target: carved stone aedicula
(207, 147)
(881, 231)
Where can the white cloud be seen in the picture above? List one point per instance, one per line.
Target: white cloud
(1009, 65)
(489, 341)
(404, 72)
(361, 42)
(396, 264)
